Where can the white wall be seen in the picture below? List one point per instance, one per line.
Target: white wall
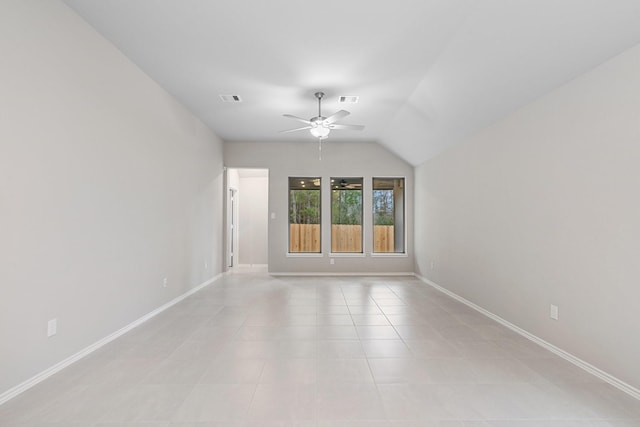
(544, 208)
(253, 220)
(107, 185)
(361, 159)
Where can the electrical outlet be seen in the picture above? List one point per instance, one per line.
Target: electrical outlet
(164, 282)
(332, 261)
(52, 327)
(553, 312)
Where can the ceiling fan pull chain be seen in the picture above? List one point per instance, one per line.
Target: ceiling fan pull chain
(319, 148)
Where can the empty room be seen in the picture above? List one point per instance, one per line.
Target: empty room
(319, 214)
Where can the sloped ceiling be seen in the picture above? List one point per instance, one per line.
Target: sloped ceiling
(428, 72)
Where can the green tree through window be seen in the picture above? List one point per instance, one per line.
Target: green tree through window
(346, 207)
(304, 206)
(383, 207)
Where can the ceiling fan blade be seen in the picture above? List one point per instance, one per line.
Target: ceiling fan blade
(336, 116)
(300, 119)
(294, 130)
(346, 127)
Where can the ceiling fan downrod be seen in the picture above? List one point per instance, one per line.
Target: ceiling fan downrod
(319, 95)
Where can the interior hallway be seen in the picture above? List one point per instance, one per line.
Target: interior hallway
(254, 350)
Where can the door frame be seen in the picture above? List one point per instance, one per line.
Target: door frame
(231, 228)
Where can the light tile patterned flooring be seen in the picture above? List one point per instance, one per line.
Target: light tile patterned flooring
(257, 351)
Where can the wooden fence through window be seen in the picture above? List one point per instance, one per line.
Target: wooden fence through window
(344, 238)
(304, 237)
(383, 238)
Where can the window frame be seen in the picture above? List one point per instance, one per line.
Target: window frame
(404, 252)
(362, 252)
(318, 188)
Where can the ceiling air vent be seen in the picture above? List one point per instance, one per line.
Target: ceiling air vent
(349, 99)
(231, 98)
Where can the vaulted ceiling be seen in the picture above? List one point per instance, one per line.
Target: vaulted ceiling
(428, 72)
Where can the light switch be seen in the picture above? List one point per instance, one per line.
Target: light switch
(52, 327)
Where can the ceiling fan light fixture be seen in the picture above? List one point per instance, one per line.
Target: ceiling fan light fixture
(320, 131)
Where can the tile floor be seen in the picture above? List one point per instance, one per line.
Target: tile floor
(257, 351)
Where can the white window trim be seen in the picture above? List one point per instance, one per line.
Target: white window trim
(305, 255)
(347, 255)
(405, 214)
(389, 254)
(362, 192)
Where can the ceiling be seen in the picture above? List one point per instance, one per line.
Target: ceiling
(428, 72)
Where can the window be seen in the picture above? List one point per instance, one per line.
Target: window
(346, 215)
(388, 215)
(304, 215)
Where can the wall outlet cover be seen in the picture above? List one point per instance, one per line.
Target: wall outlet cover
(52, 327)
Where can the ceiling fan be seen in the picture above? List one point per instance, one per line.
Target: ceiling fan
(348, 185)
(320, 126)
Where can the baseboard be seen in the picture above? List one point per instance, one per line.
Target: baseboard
(26, 385)
(619, 384)
(338, 274)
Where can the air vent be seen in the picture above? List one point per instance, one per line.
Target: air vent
(231, 98)
(349, 99)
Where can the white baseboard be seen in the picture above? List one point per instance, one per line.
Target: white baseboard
(324, 274)
(26, 385)
(621, 385)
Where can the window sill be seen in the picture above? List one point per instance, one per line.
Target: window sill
(389, 254)
(305, 255)
(347, 255)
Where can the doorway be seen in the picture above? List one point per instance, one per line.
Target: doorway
(247, 218)
(232, 219)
